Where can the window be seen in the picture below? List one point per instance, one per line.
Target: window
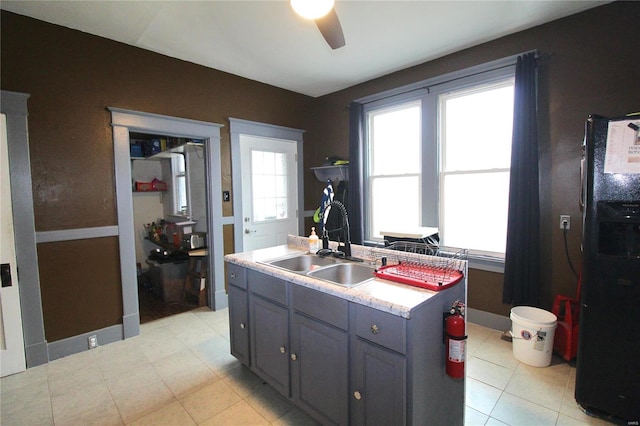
(180, 197)
(474, 167)
(394, 167)
(439, 156)
(269, 185)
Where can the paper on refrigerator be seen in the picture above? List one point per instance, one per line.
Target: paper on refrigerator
(623, 147)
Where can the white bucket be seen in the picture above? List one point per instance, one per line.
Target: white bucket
(533, 330)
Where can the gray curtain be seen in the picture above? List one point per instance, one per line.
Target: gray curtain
(522, 256)
(356, 164)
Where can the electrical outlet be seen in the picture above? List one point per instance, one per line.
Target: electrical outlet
(565, 221)
(93, 342)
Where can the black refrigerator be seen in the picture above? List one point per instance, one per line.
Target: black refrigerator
(608, 361)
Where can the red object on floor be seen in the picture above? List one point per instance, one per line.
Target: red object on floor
(567, 310)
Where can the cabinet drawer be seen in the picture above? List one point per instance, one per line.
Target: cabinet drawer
(327, 308)
(236, 275)
(267, 286)
(382, 328)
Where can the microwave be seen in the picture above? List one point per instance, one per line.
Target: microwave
(194, 240)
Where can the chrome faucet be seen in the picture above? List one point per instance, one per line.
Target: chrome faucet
(346, 247)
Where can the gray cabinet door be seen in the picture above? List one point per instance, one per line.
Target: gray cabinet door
(269, 330)
(239, 324)
(379, 388)
(320, 369)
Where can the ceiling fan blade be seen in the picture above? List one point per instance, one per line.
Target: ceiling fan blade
(331, 30)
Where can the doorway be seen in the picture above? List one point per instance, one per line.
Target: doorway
(169, 204)
(124, 122)
(268, 184)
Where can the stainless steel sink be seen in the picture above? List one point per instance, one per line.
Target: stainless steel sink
(345, 274)
(303, 263)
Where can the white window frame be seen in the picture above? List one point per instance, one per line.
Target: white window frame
(478, 88)
(428, 92)
(174, 182)
(387, 105)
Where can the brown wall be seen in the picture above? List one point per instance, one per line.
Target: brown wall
(72, 77)
(81, 289)
(587, 68)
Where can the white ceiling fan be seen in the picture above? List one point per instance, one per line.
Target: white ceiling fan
(325, 17)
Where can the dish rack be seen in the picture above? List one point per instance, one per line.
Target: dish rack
(428, 266)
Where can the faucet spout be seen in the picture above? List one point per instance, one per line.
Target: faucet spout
(346, 247)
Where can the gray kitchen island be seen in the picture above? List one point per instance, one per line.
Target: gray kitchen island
(366, 354)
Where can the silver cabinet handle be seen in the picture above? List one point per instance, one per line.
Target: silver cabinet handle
(294, 357)
(375, 329)
(282, 350)
(242, 326)
(357, 395)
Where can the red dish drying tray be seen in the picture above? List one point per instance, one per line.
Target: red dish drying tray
(417, 275)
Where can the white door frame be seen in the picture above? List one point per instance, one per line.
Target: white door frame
(239, 127)
(268, 232)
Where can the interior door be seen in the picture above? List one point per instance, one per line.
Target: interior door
(269, 191)
(12, 359)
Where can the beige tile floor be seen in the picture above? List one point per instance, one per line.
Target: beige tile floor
(179, 372)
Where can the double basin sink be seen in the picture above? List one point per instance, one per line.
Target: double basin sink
(337, 271)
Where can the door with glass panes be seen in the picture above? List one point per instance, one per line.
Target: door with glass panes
(269, 191)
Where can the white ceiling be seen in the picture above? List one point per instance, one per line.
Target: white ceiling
(267, 42)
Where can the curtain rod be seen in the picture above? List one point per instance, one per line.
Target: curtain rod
(446, 78)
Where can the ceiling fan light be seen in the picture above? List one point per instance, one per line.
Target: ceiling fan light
(312, 9)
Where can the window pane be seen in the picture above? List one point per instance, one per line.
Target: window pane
(269, 163)
(477, 128)
(475, 211)
(259, 210)
(181, 194)
(280, 164)
(394, 138)
(394, 202)
(256, 162)
(281, 208)
(269, 185)
(180, 184)
(179, 164)
(280, 186)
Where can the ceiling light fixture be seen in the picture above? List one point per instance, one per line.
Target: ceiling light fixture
(312, 9)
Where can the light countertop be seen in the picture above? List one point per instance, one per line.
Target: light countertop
(395, 298)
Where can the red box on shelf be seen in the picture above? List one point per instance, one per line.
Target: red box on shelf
(144, 186)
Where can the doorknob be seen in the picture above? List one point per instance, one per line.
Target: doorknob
(249, 231)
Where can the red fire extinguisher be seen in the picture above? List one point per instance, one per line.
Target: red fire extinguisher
(455, 340)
